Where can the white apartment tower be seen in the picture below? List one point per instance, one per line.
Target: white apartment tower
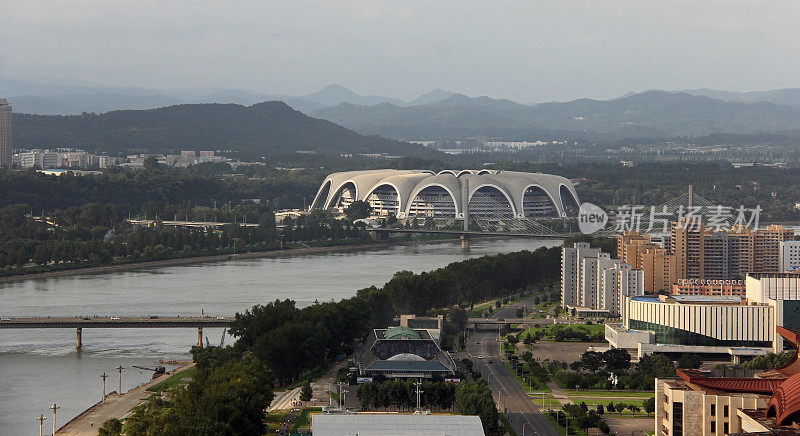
(5, 134)
(571, 266)
(592, 279)
(789, 256)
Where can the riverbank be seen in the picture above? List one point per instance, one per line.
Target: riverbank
(221, 258)
(114, 406)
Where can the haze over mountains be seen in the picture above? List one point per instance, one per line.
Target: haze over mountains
(441, 114)
(651, 114)
(52, 99)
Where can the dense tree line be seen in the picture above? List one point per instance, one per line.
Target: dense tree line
(292, 341)
(200, 185)
(475, 398)
(401, 395)
(473, 280)
(98, 234)
(768, 361)
(593, 371)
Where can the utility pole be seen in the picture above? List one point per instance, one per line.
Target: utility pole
(342, 392)
(41, 419)
(54, 407)
(119, 390)
(104, 377)
(418, 384)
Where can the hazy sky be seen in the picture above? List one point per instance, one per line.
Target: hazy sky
(529, 51)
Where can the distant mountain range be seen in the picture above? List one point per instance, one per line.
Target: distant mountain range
(271, 129)
(651, 114)
(46, 99)
(441, 114)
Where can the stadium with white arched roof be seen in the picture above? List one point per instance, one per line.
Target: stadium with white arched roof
(417, 193)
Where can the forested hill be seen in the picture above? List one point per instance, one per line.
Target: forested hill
(652, 114)
(270, 129)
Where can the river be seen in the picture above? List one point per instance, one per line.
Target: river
(39, 367)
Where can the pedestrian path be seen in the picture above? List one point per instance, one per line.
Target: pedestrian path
(558, 394)
(114, 406)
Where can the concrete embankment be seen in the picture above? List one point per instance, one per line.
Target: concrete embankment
(114, 406)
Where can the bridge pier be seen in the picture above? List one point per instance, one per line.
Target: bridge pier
(200, 337)
(78, 342)
(465, 243)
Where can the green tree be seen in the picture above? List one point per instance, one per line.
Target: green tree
(306, 393)
(617, 359)
(475, 398)
(649, 405)
(358, 210)
(591, 361)
(111, 427)
(689, 360)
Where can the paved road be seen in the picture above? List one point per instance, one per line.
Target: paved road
(525, 417)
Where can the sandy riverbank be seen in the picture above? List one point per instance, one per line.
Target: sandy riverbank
(207, 259)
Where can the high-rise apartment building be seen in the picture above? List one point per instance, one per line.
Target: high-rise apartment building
(5, 134)
(789, 256)
(766, 248)
(591, 279)
(658, 268)
(706, 255)
(571, 265)
(657, 264)
(629, 245)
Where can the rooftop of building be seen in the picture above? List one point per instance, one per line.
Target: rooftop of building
(690, 299)
(774, 275)
(399, 332)
(743, 383)
(390, 425)
(760, 416)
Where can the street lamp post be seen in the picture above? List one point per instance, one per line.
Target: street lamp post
(119, 389)
(41, 419)
(54, 407)
(104, 377)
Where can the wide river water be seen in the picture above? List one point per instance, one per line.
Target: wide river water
(39, 367)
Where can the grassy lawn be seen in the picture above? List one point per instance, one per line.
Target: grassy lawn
(560, 427)
(536, 384)
(274, 421)
(546, 330)
(303, 420)
(549, 401)
(173, 381)
(603, 394)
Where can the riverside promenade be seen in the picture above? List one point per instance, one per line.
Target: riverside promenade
(114, 406)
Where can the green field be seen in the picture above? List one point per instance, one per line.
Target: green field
(173, 381)
(274, 421)
(303, 420)
(547, 336)
(535, 385)
(560, 427)
(603, 394)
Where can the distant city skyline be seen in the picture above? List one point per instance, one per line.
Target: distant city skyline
(524, 51)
